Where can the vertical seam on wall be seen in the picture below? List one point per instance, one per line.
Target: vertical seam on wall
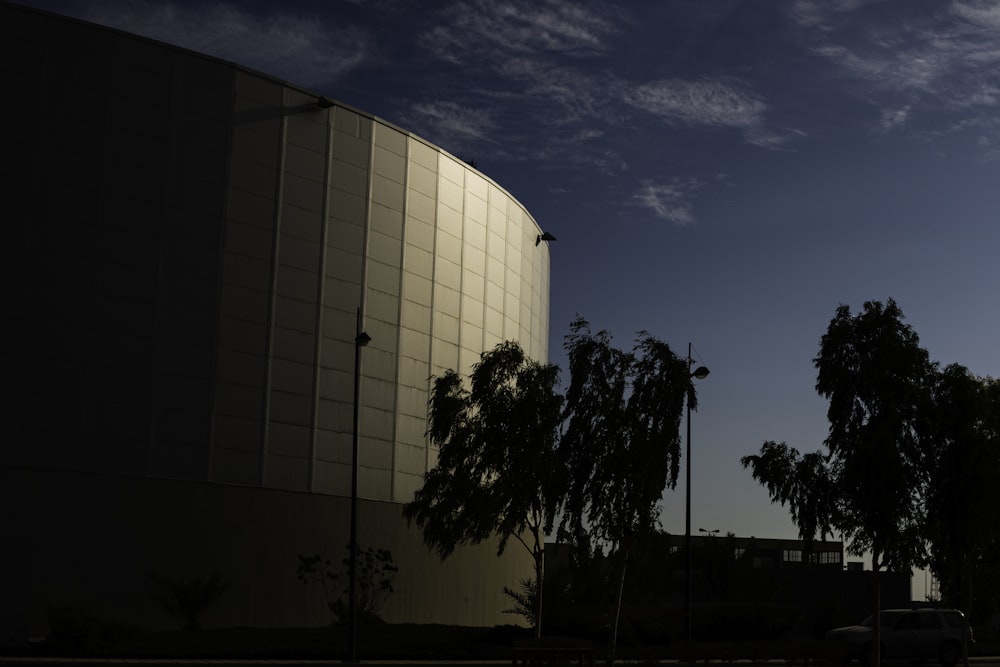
(545, 313)
(461, 274)
(399, 321)
(158, 301)
(527, 331)
(213, 379)
(528, 280)
(506, 266)
(430, 329)
(320, 300)
(279, 195)
(486, 264)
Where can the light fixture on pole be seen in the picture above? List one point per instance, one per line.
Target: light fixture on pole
(360, 340)
(699, 373)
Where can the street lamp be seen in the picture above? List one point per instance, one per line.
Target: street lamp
(699, 373)
(544, 236)
(360, 340)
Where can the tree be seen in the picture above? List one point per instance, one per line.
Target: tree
(870, 484)
(803, 482)
(497, 472)
(962, 499)
(877, 379)
(622, 439)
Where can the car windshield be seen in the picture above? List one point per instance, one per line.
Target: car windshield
(888, 618)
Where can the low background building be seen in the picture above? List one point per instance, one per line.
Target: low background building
(742, 588)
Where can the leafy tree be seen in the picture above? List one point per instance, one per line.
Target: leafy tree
(870, 484)
(877, 379)
(498, 472)
(802, 482)
(622, 439)
(962, 498)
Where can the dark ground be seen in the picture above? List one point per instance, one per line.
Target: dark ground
(385, 641)
(403, 642)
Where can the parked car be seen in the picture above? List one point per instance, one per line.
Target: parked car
(907, 634)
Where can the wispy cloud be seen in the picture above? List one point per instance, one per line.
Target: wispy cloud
(894, 118)
(517, 28)
(720, 102)
(295, 47)
(982, 12)
(555, 65)
(530, 53)
(823, 14)
(451, 124)
(913, 69)
(670, 201)
(562, 94)
(536, 59)
(705, 102)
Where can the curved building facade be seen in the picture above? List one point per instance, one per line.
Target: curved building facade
(199, 246)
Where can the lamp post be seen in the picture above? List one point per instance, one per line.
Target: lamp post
(360, 340)
(699, 373)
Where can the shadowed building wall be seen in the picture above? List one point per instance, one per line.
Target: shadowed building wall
(195, 244)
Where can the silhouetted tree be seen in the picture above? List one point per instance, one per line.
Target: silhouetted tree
(497, 471)
(877, 378)
(962, 499)
(621, 440)
(802, 482)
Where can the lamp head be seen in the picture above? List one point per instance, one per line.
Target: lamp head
(362, 339)
(544, 236)
(700, 373)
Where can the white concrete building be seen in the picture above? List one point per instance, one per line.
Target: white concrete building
(195, 244)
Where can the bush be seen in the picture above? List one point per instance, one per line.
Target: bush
(375, 573)
(186, 600)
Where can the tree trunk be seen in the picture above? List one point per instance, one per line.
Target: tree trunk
(539, 583)
(612, 649)
(967, 608)
(877, 633)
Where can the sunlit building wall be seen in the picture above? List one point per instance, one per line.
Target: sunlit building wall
(198, 242)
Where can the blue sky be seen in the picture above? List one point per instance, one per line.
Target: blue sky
(723, 172)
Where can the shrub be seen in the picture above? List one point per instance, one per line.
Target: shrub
(375, 573)
(186, 600)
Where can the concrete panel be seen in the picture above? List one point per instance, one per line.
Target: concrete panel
(390, 139)
(238, 434)
(285, 472)
(388, 164)
(235, 467)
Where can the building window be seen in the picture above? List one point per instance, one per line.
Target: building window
(791, 555)
(824, 558)
(739, 552)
